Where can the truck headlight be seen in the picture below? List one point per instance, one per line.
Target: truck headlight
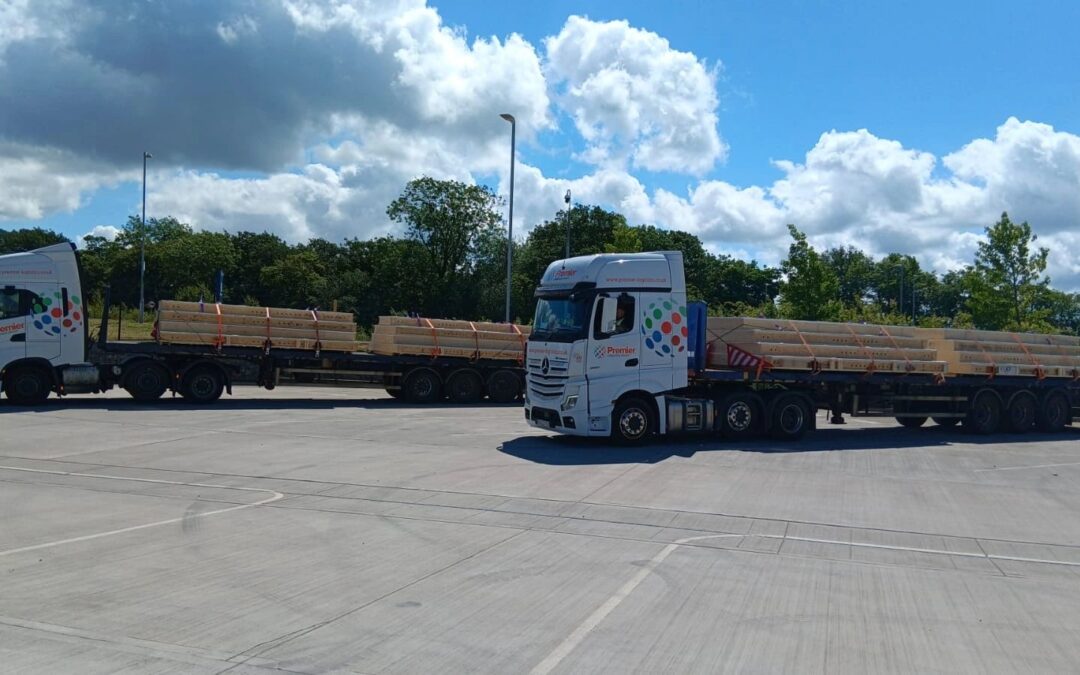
(570, 402)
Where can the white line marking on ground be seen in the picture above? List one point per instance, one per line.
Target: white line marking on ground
(1027, 466)
(600, 613)
(274, 496)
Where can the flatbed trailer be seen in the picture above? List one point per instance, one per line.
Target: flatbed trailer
(617, 351)
(35, 360)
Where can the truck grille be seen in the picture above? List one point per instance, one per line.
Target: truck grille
(550, 385)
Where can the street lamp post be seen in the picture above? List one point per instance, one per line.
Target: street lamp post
(900, 299)
(510, 219)
(567, 200)
(142, 240)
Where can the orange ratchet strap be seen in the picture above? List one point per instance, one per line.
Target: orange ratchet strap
(268, 342)
(1040, 372)
(815, 365)
(909, 367)
(220, 339)
(993, 363)
(873, 366)
(521, 339)
(476, 341)
(436, 352)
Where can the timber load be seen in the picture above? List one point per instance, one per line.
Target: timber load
(446, 337)
(821, 346)
(216, 325)
(985, 352)
(818, 346)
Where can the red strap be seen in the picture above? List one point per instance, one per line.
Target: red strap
(521, 339)
(476, 341)
(220, 339)
(910, 367)
(870, 369)
(993, 363)
(435, 338)
(815, 366)
(269, 342)
(1040, 373)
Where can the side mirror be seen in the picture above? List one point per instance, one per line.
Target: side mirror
(607, 315)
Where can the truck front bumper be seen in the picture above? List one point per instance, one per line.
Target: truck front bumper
(572, 422)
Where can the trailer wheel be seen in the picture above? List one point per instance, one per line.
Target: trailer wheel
(465, 386)
(741, 416)
(912, 422)
(946, 421)
(1054, 412)
(421, 385)
(146, 381)
(632, 421)
(202, 384)
(1021, 412)
(790, 418)
(28, 385)
(984, 415)
(503, 386)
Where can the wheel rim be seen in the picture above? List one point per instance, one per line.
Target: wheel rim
(792, 418)
(28, 386)
(740, 416)
(149, 380)
(422, 387)
(633, 423)
(202, 385)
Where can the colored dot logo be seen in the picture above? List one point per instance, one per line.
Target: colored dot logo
(49, 314)
(663, 325)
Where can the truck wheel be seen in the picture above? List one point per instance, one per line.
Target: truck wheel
(202, 384)
(632, 421)
(465, 386)
(740, 416)
(984, 415)
(946, 421)
(1054, 412)
(790, 418)
(28, 385)
(421, 386)
(503, 386)
(911, 422)
(146, 381)
(1021, 413)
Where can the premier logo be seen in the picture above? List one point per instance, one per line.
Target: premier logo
(564, 273)
(608, 350)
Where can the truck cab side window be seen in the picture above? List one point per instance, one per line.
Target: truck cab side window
(624, 319)
(9, 304)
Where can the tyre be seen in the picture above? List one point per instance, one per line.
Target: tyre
(790, 418)
(421, 386)
(1020, 415)
(28, 385)
(1053, 413)
(741, 416)
(912, 422)
(632, 421)
(465, 386)
(984, 414)
(504, 386)
(202, 384)
(946, 421)
(146, 381)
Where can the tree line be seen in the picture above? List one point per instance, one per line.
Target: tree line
(451, 262)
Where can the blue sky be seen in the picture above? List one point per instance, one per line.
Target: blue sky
(936, 86)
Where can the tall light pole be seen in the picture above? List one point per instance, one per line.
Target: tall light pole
(510, 219)
(900, 299)
(567, 200)
(142, 240)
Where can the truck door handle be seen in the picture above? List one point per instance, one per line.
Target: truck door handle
(630, 363)
(18, 337)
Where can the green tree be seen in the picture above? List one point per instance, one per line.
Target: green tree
(811, 288)
(854, 271)
(16, 241)
(297, 280)
(1007, 282)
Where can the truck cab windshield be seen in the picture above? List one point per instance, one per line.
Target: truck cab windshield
(561, 319)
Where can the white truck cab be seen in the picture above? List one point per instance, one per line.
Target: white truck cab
(610, 338)
(42, 322)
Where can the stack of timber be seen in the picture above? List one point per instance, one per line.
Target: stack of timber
(445, 337)
(214, 325)
(780, 344)
(984, 352)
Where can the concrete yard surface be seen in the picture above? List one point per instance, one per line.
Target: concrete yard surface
(311, 530)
